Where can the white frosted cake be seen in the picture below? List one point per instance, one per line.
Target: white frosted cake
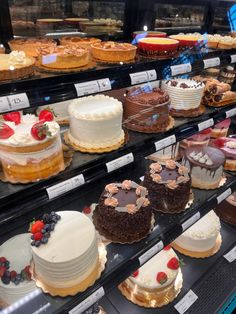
(201, 237)
(71, 254)
(96, 122)
(185, 96)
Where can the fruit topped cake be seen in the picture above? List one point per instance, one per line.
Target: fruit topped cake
(221, 129)
(168, 183)
(199, 139)
(30, 146)
(123, 213)
(228, 147)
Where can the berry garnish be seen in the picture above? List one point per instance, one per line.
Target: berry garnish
(46, 115)
(161, 277)
(167, 248)
(2, 270)
(5, 131)
(40, 130)
(3, 259)
(173, 263)
(13, 274)
(37, 226)
(135, 274)
(86, 210)
(38, 236)
(13, 117)
(219, 142)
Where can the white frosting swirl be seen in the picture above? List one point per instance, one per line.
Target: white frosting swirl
(17, 57)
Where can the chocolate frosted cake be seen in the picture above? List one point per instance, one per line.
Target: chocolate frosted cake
(227, 209)
(123, 213)
(205, 165)
(147, 110)
(168, 185)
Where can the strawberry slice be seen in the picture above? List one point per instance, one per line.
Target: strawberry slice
(2, 270)
(173, 263)
(13, 117)
(38, 236)
(3, 259)
(37, 226)
(40, 130)
(220, 142)
(135, 274)
(46, 115)
(87, 210)
(5, 131)
(167, 248)
(161, 277)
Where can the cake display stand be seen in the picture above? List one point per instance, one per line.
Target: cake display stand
(151, 299)
(192, 113)
(80, 287)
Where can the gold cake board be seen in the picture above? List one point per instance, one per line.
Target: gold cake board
(80, 287)
(149, 299)
(203, 254)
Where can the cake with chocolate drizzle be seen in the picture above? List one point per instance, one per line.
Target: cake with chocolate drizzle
(168, 184)
(205, 165)
(123, 213)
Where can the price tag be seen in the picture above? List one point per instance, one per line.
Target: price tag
(150, 253)
(14, 102)
(233, 58)
(205, 124)
(152, 75)
(89, 301)
(119, 162)
(92, 87)
(180, 69)
(65, 186)
(224, 195)
(231, 255)
(183, 305)
(165, 142)
(191, 221)
(144, 76)
(209, 63)
(230, 113)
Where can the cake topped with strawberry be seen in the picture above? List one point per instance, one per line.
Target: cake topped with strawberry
(228, 146)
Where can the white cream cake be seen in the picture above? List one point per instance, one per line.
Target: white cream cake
(70, 255)
(96, 122)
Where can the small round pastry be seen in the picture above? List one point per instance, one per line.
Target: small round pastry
(111, 51)
(228, 147)
(202, 239)
(227, 75)
(225, 43)
(212, 41)
(123, 213)
(226, 210)
(205, 165)
(155, 283)
(157, 47)
(220, 129)
(169, 185)
(84, 42)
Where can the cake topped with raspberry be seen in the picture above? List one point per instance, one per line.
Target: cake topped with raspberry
(227, 145)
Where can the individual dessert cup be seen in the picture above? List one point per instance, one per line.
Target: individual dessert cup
(202, 239)
(15, 65)
(30, 46)
(110, 51)
(30, 149)
(158, 47)
(63, 57)
(95, 124)
(167, 153)
(199, 139)
(156, 283)
(150, 34)
(220, 129)
(84, 42)
(69, 261)
(15, 282)
(205, 165)
(226, 210)
(123, 213)
(147, 111)
(227, 145)
(169, 185)
(186, 41)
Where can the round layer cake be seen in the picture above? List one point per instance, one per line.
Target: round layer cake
(200, 238)
(199, 139)
(151, 285)
(15, 65)
(84, 42)
(221, 129)
(185, 96)
(158, 47)
(123, 213)
(96, 122)
(147, 111)
(71, 254)
(205, 165)
(226, 210)
(30, 150)
(228, 147)
(168, 184)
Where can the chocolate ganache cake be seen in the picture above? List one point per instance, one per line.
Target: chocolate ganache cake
(227, 209)
(205, 165)
(168, 185)
(123, 213)
(147, 110)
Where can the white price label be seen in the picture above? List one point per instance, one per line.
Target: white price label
(231, 255)
(89, 301)
(119, 162)
(165, 142)
(208, 63)
(144, 76)
(14, 102)
(191, 221)
(150, 253)
(65, 186)
(183, 305)
(180, 69)
(224, 195)
(230, 113)
(233, 58)
(92, 87)
(205, 124)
